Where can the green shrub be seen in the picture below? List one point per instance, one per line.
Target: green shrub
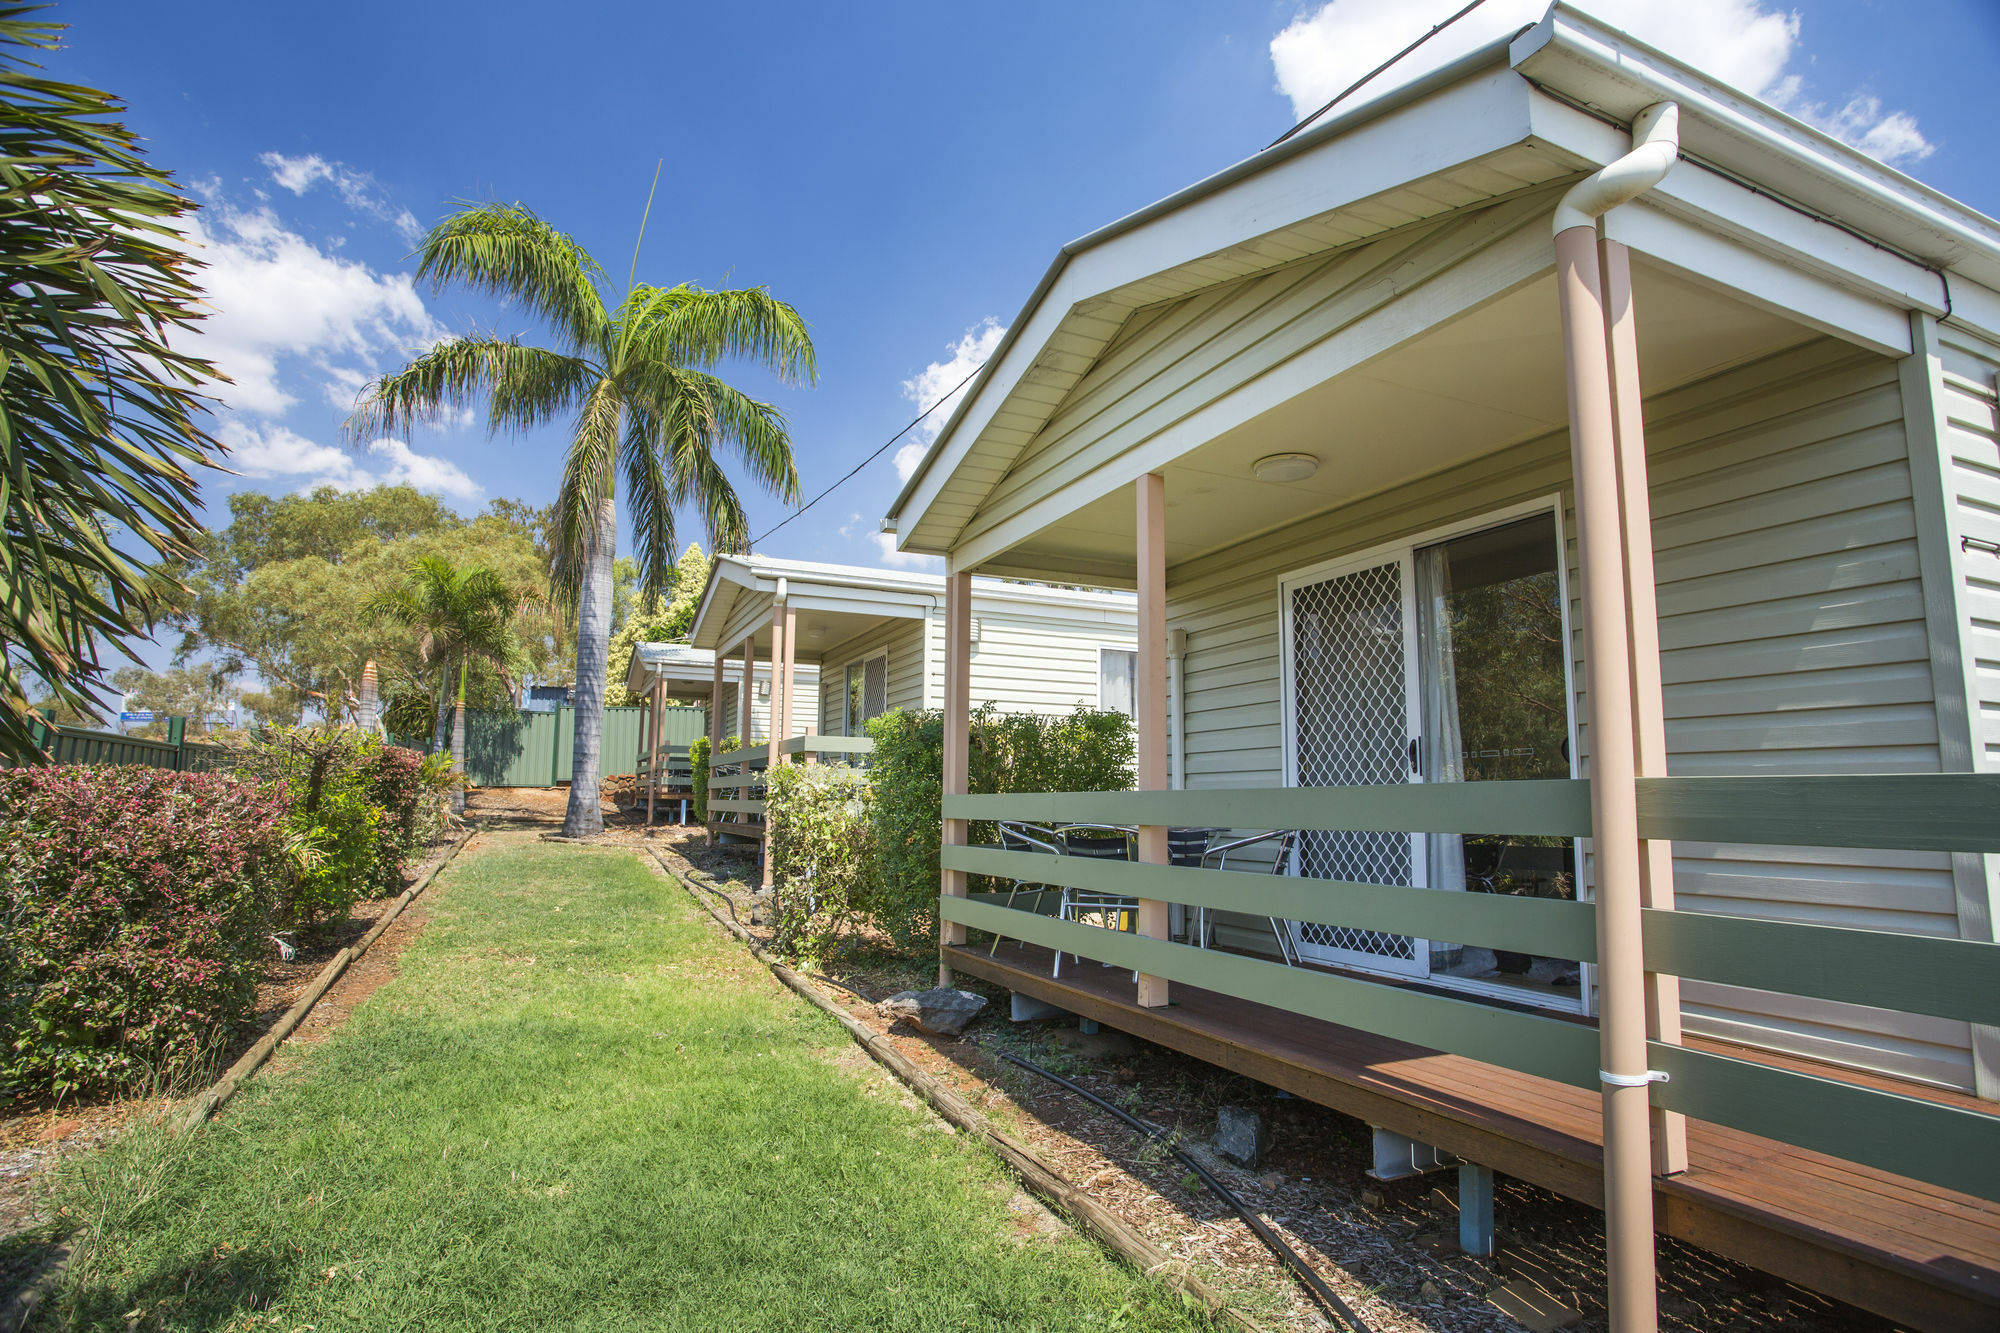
(1086, 750)
(820, 854)
(353, 846)
(136, 904)
(698, 762)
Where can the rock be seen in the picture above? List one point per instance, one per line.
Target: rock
(942, 1012)
(1241, 1136)
(1372, 1199)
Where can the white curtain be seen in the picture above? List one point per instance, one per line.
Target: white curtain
(1443, 746)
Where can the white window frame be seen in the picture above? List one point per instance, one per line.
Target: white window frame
(847, 721)
(1405, 548)
(1107, 647)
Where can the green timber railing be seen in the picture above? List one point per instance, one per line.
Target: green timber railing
(1924, 1139)
(742, 771)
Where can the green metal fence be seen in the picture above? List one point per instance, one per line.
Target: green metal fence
(1945, 1145)
(510, 748)
(85, 745)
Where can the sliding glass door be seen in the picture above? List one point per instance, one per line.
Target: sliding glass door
(1442, 661)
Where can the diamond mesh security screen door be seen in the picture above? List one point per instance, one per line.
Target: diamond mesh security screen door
(1350, 671)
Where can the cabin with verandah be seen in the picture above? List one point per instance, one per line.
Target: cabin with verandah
(1586, 582)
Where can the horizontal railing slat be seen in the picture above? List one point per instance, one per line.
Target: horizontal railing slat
(827, 745)
(1953, 812)
(1547, 1047)
(720, 781)
(1527, 925)
(1925, 1140)
(1915, 812)
(737, 807)
(1555, 808)
(1917, 974)
(748, 754)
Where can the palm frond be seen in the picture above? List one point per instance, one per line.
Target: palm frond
(691, 326)
(509, 252)
(525, 387)
(98, 435)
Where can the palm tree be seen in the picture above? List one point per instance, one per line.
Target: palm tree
(634, 381)
(460, 614)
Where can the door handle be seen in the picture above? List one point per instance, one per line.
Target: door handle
(1416, 763)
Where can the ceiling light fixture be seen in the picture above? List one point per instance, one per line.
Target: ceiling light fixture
(1284, 467)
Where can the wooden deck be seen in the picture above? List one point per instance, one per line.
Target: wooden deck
(1924, 1257)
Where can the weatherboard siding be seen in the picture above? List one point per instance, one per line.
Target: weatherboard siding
(1793, 640)
(1025, 661)
(760, 703)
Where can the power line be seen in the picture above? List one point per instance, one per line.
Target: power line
(1352, 87)
(915, 422)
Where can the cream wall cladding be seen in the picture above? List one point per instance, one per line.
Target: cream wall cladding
(1793, 639)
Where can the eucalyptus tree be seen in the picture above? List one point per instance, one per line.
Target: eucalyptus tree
(460, 614)
(632, 377)
(99, 440)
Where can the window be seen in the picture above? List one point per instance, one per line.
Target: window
(1117, 670)
(867, 693)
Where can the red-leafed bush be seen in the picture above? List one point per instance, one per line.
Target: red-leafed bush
(397, 784)
(136, 906)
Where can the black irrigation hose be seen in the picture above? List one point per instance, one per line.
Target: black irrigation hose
(1313, 1282)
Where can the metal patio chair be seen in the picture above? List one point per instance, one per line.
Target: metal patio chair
(1100, 842)
(1016, 836)
(1188, 847)
(1287, 841)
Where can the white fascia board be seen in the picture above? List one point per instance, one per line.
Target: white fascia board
(1029, 611)
(1593, 64)
(1087, 601)
(865, 602)
(728, 577)
(1481, 115)
(1518, 258)
(996, 383)
(1793, 291)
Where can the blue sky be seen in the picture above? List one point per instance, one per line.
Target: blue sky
(900, 173)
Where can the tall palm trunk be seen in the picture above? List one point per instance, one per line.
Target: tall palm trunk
(585, 815)
(443, 721)
(458, 742)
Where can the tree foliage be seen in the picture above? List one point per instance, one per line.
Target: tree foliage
(199, 693)
(657, 619)
(98, 431)
(283, 591)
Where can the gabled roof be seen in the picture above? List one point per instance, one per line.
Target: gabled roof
(1513, 118)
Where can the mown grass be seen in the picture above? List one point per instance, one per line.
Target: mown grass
(576, 1108)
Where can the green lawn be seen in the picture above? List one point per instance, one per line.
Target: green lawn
(578, 1107)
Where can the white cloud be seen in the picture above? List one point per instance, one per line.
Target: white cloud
(885, 546)
(852, 526)
(275, 452)
(357, 188)
(907, 459)
(406, 467)
(941, 384)
(1739, 42)
(275, 298)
